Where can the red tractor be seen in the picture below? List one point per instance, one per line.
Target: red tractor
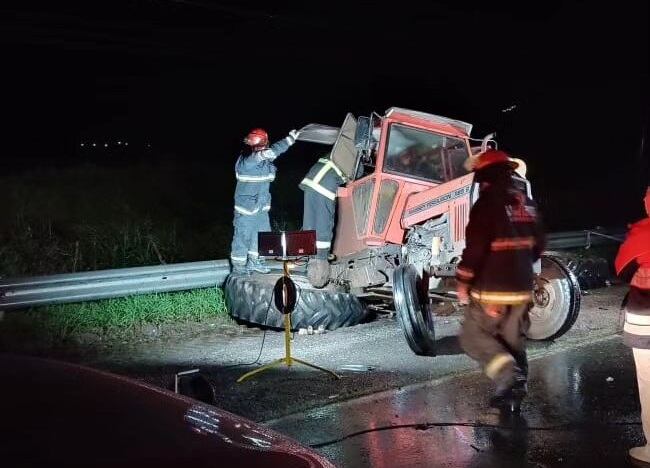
(400, 233)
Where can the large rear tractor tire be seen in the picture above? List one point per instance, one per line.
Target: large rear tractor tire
(410, 292)
(556, 301)
(249, 298)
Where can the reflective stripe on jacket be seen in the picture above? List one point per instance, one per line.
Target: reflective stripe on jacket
(254, 173)
(324, 177)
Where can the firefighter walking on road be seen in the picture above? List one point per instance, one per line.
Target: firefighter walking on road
(254, 171)
(320, 186)
(504, 238)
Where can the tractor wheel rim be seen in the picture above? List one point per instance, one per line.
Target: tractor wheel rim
(544, 298)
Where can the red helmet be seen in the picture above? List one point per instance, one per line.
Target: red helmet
(257, 139)
(492, 157)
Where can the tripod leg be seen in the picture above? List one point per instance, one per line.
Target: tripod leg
(313, 366)
(268, 366)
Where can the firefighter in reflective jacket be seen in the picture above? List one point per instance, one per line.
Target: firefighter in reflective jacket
(320, 185)
(504, 238)
(254, 171)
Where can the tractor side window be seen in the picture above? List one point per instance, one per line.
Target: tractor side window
(415, 153)
(387, 192)
(361, 199)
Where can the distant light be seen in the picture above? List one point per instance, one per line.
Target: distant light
(94, 144)
(119, 142)
(105, 145)
(148, 145)
(126, 143)
(510, 108)
(82, 144)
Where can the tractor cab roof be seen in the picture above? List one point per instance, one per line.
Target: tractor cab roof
(460, 128)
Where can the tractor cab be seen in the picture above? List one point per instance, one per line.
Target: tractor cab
(386, 160)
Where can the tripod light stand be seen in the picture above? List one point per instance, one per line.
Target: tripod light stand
(285, 297)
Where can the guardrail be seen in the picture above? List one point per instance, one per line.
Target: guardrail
(585, 238)
(17, 293)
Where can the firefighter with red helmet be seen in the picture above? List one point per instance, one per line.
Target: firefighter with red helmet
(504, 238)
(254, 171)
(633, 260)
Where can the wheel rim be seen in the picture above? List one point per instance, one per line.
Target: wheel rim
(556, 301)
(544, 300)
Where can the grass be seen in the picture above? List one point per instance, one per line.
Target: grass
(91, 217)
(115, 318)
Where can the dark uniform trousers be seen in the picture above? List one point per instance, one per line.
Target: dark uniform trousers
(244, 240)
(320, 186)
(495, 336)
(318, 215)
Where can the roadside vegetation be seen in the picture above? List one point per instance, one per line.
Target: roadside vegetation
(92, 217)
(135, 317)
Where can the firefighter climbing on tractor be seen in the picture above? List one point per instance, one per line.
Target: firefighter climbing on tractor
(504, 238)
(254, 171)
(319, 187)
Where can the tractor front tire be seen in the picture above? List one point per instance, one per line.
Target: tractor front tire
(250, 299)
(414, 313)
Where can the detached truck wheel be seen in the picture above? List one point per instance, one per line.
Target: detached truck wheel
(410, 293)
(556, 301)
(249, 298)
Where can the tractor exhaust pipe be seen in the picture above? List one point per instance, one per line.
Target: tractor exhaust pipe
(486, 140)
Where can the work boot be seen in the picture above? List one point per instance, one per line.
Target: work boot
(256, 265)
(641, 453)
(509, 397)
(508, 401)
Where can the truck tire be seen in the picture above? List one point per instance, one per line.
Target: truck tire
(414, 313)
(556, 301)
(249, 298)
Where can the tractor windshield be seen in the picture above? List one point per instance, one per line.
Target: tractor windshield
(424, 155)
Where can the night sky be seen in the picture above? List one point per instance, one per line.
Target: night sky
(191, 77)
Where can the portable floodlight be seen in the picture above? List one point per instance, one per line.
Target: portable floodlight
(286, 246)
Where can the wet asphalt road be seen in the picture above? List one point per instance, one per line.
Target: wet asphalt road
(582, 410)
(574, 416)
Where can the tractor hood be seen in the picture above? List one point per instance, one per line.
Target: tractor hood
(319, 133)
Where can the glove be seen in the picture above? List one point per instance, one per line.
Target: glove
(293, 136)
